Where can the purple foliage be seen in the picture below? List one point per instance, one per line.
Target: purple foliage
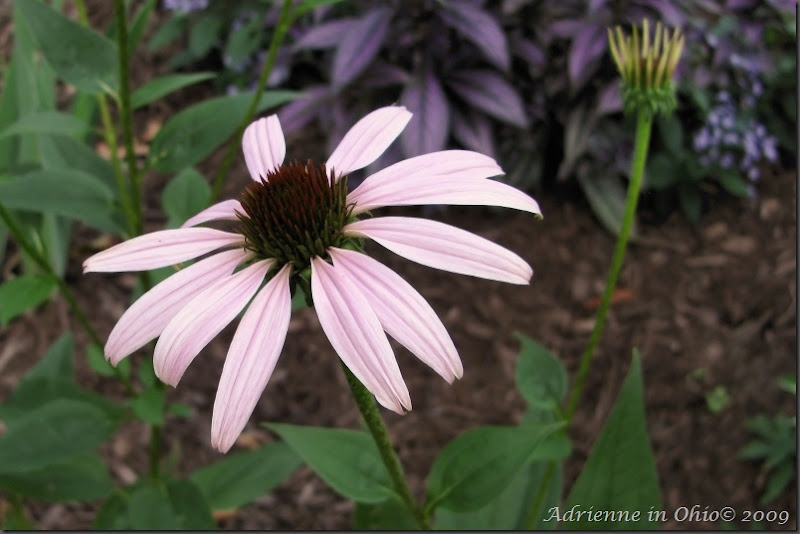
(360, 45)
(429, 127)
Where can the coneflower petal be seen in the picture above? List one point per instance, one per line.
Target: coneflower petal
(224, 211)
(424, 189)
(160, 249)
(368, 139)
(357, 336)
(402, 311)
(264, 146)
(251, 359)
(443, 247)
(202, 318)
(151, 313)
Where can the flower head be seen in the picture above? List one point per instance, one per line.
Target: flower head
(296, 224)
(646, 66)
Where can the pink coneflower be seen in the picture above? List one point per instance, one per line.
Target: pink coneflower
(297, 224)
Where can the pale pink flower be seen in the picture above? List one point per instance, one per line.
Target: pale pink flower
(298, 224)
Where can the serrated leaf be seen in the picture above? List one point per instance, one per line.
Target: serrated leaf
(163, 85)
(79, 55)
(184, 196)
(238, 479)
(541, 378)
(194, 133)
(81, 478)
(347, 460)
(52, 434)
(46, 122)
(479, 464)
(23, 293)
(620, 473)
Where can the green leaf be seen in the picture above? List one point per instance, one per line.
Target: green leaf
(733, 183)
(194, 133)
(541, 378)
(167, 32)
(606, 196)
(52, 434)
(81, 478)
(113, 515)
(46, 122)
(204, 34)
(241, 478)
(510, 509)
(59, 152)
(56, 362)
(190, 506)
(472, 469)
(186, 195)
(390, 514)
(149, 508)
(139, 25)
(80, 56)
(777, 482)
(244, 42)
(23, 293)
(620, 474)
(671, 134)
(690, 200)
(347, 460)
(180, 409)
(64, 192)
(662, 172)
(310, 5)
(149, 406)
(98, 362)
(788, 383)
(163, 85)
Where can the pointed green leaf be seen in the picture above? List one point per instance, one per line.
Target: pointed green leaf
(184, 196)
(541, 378)
(98, 362)
(46, 122)
(59, 152)
(472, 469)
(347, 460)
(22, 293)
(620, 474)
(241, 478)
(81, 478)
(56, 362)
(149, 406)
(80, 56)
(190, 506)
(390, 514)
(606, 195)
(149, 508)
(194, 133)
(163, 85)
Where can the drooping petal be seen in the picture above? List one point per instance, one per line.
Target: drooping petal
(225, 211)
(202, 318)
(160, 249)
(251, 359)
(356, 335)
(149, 315)
(402, 311)
(444, 247)
(453, 190)
(264, 146)
(367, 139)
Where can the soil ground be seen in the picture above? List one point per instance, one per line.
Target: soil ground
(708, 305)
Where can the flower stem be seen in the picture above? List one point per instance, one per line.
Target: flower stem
(376, 426)
(284, 23)
(644, 123)
(40, 260)
(126, 114)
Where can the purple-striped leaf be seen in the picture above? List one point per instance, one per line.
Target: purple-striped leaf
(474, 131)
(585, 52)
(478, 26)
(383, 74)
(298, 113)
(427, 130)
(487, 91)
(360, 46)
(529, 52)
(326, 35)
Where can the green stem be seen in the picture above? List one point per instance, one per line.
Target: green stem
(110, 136)
(126, 114)
(538, 501)
(284, 23)
(376, 426)
(42, 262)
(644, 123)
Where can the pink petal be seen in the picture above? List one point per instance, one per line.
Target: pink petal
(264, 146)
(203, 318)
(160, 249)
(461, 163)
(444, 247)
(356, 335)
(367, 139)
(225, 210)
(403, 313)
(149, 315)
(251, 359)
(454, 190)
